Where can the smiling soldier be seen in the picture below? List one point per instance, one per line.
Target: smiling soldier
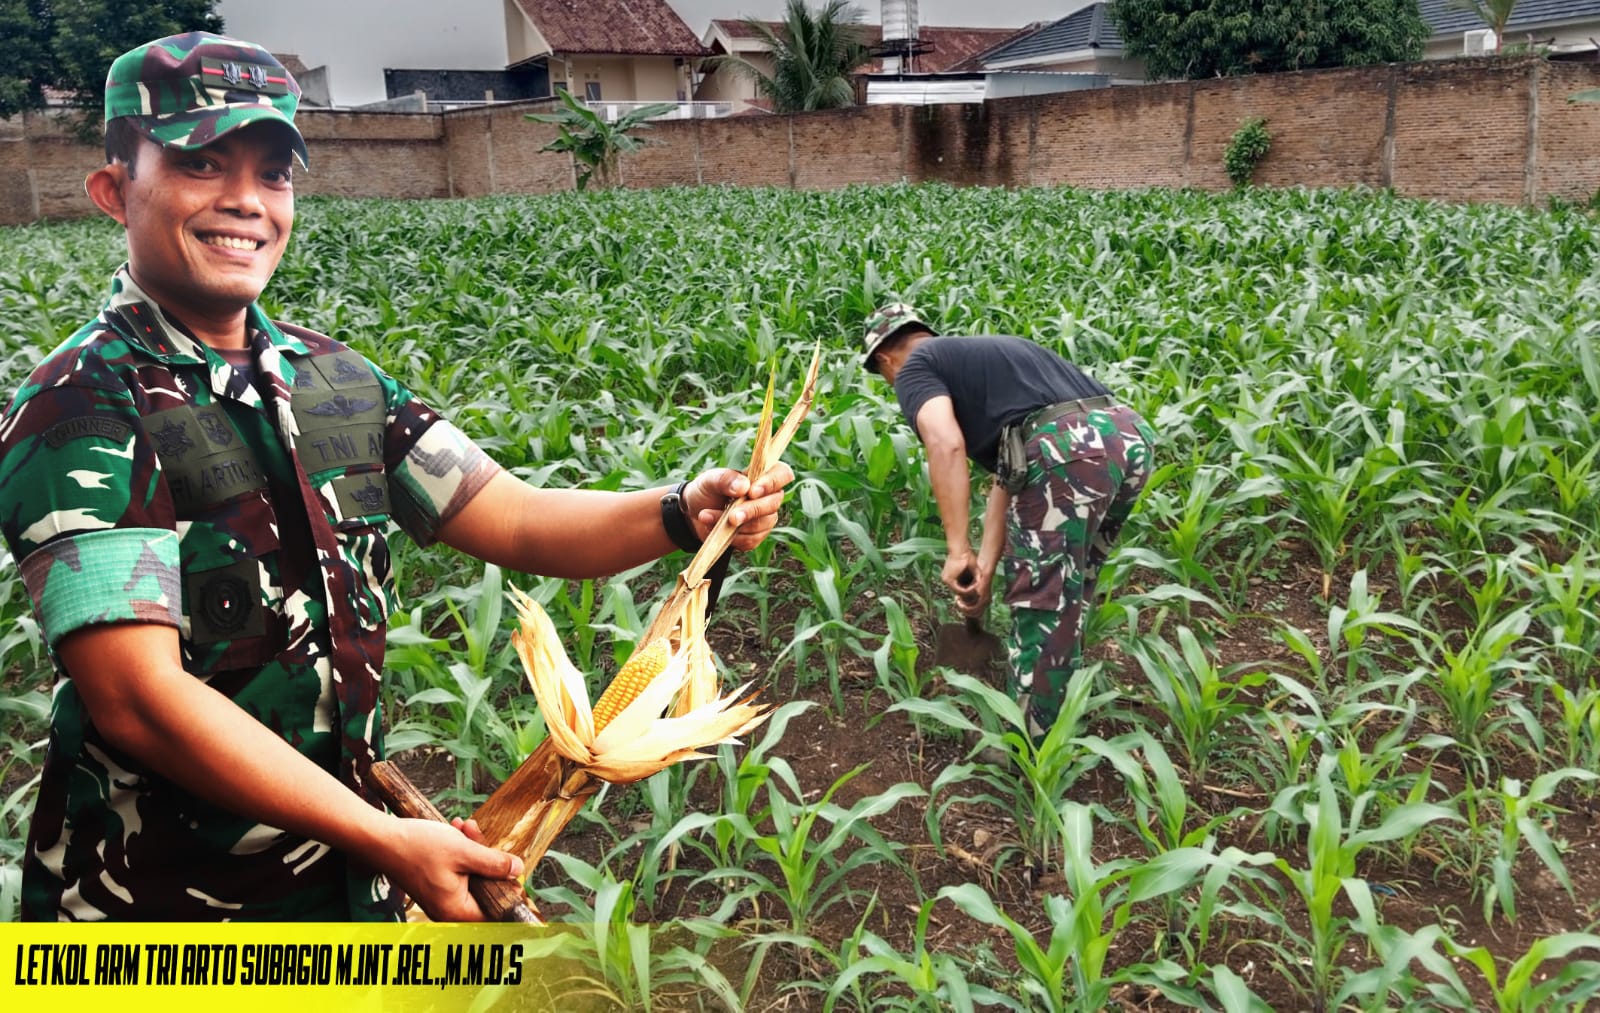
(199, 498)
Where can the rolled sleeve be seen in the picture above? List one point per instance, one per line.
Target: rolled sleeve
(439, 475)
(84, 511)
(110, 576)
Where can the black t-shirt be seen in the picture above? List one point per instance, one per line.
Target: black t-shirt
(990, 381)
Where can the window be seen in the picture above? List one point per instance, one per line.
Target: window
(591, 91)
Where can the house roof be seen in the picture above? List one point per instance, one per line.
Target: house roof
(736, 34)
(736, 28)
(1443, 17)
(1089, 28)
(974, 60)
(632, 27)
(947, 46)
(952, 47)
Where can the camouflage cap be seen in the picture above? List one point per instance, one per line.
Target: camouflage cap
(887, 321)
(185, 91)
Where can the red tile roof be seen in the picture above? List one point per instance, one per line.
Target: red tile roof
(632, 27)
(962, 50)
(952, 47)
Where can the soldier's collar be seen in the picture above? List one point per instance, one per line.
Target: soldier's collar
(257, 320)
(134, 315)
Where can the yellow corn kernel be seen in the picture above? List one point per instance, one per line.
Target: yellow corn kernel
(645, 665)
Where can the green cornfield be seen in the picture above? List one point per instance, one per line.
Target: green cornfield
(1337, 742)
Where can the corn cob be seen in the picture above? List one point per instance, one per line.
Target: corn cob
(646, 663)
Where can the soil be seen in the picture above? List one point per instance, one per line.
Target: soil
(1413, 888)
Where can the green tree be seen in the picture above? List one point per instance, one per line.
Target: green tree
(1493, 13)
(25, 63)
(69, 45)
(595, 143)
(1212, 38)
(813, 55)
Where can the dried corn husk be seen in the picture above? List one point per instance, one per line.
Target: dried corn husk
(525, 814)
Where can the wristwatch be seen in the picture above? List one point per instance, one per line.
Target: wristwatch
(676, 520)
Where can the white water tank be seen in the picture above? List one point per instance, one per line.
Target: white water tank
(899, 20)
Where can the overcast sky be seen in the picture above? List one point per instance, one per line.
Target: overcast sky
(356, 39)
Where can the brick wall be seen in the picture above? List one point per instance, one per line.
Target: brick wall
(42, 167)
(1467, 130)
(363, 154)
(1324, 126)
(751, 150)
(670, 156)
(1566, 152)
(1463, 136)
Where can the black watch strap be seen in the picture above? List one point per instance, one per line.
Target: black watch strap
(676, 520)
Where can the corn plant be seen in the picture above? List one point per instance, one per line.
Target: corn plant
(1031, 782)
(1349, 627)
(1164, 819)
(1302, 727)
(1571, 475)
(1332, 495)
(1503, 436)
(666, 799)
(1579, 726)
(1334, 842)
(1568, 608)
(1521, 986)
(936, 981)
(895, 660)
(447, 687)
(1470, 680)
(1068, 970)
(806, 877)
(744, 776)
(1201, 704)
(629, 965)
(836, 580)
(1521, 821)
(1200, 526)
(13, 809)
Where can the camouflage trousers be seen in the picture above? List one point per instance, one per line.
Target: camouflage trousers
(1085, 472)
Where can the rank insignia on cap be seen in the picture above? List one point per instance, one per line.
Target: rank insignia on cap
(242, 76)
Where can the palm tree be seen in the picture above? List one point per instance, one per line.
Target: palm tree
(813, 55)
(1493, 13)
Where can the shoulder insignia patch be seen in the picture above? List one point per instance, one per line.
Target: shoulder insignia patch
(74, 429)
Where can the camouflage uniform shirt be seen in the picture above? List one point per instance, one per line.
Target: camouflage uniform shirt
(144, 479)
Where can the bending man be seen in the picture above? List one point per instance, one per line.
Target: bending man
(1070, 461)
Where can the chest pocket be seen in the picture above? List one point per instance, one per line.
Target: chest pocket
(228, 539)
(203, 458)
(340, 411)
